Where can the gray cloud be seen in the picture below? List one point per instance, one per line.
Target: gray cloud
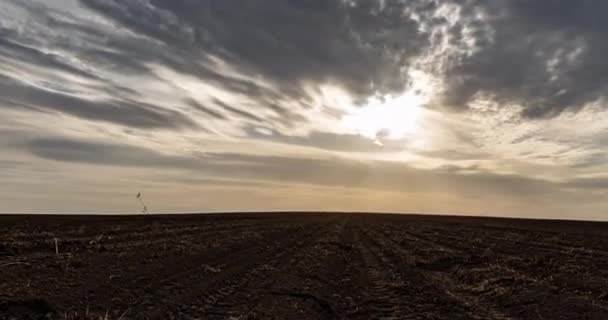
(377, 175)
(328, 141)
(90, 152)
(455, 155)
(11, 51)
(208, 111)
(598, 184)
(237, 112)
(361, 47)
(129, 113)
(592, 160)
(364, 48)
(545, 55)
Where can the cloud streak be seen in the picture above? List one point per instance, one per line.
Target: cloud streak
(333, 171)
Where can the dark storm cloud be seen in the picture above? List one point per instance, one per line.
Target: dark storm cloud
(360, 47)
(547, 55)
(363, 47)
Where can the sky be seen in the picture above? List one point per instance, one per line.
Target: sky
(454, 106)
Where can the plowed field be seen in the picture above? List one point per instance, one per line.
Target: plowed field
(301, 266)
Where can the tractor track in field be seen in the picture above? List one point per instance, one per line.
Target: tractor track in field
(394, 287)
(497, 276)
(442, 284)
(169, 281)
(209, 297)
(220, 301)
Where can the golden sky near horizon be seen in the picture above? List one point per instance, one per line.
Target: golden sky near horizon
(468, 107)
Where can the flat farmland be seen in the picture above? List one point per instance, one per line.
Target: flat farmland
(301, 266)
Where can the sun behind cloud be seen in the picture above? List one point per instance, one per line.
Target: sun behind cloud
(388, 117)
(394, 116)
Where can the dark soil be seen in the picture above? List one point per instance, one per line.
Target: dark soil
(301, 266)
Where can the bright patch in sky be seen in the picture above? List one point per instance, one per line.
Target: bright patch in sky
(392, 116)
(387, 117)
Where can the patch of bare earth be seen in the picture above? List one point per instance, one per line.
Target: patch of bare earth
(301, 266)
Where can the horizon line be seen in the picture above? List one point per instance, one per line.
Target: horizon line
(438, 214)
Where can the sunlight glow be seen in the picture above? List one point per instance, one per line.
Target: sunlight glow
(392, 116)
(386, 117)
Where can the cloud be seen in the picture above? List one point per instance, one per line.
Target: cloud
(361, 46)
(455, 155)
(100, 47)
(91, 152)
(328, 141)
(547, 56)
(237, 112)
(11, 51)
(208, 111)
(336, 172)
(128, 113)
(596, 184)
(591, 160)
